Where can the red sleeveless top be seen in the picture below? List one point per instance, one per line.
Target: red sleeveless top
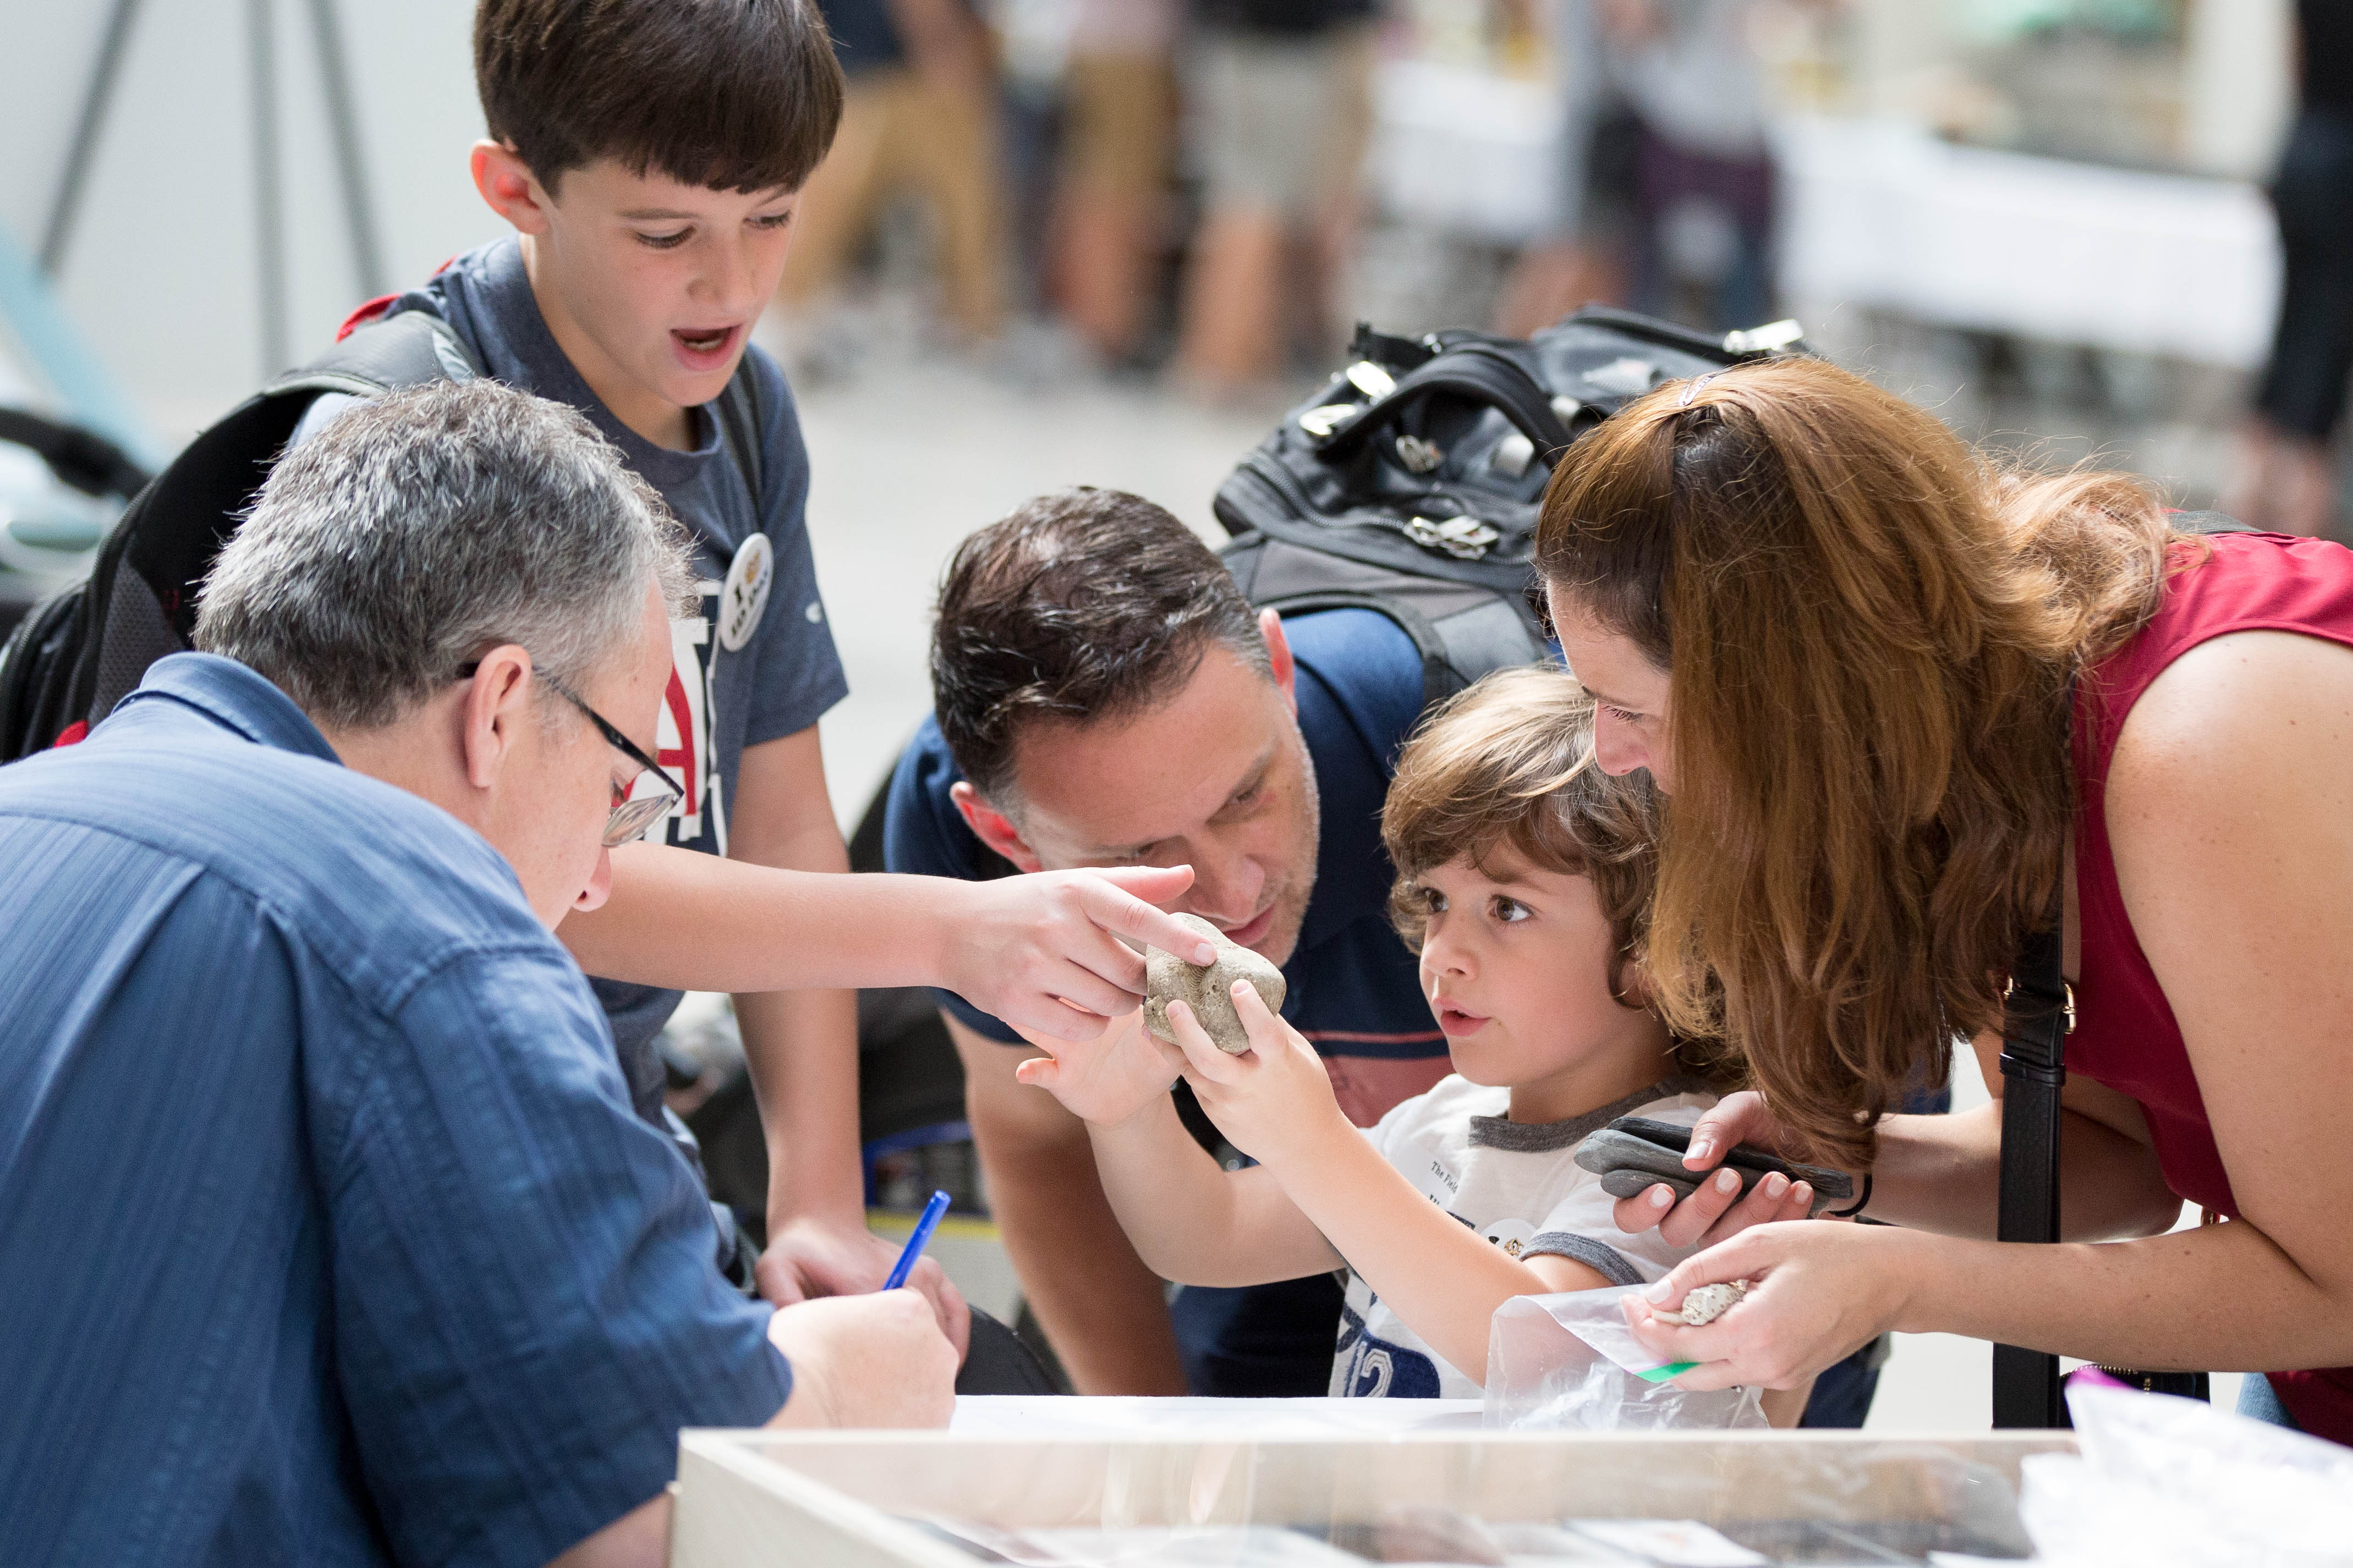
(2126, 1036)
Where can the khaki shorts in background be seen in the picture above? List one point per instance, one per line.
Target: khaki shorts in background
(1279, 124)
(1119, 134)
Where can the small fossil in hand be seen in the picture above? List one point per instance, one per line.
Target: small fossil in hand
(1208, 989)
(1705, 1304)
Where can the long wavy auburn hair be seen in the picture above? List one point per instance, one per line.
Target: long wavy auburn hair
(1870, 632)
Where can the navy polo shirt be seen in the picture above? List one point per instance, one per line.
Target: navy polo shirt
(327, 1233)
(1354, 989)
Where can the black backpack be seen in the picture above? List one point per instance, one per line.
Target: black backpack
(85, 649)
(1410, 484)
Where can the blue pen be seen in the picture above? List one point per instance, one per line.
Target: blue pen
(916, 1243)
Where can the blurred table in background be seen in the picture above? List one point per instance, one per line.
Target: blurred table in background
(1883, 217)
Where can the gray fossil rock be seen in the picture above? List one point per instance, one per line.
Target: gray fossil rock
(1206, 990)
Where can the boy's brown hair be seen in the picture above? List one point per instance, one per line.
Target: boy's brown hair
(1507, 767)
(741, 95)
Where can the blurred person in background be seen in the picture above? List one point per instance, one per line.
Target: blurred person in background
(1667, 173)
(1588, 259)
(1279, 107)
(1111, 201)
(2287, 480)
(918, 117)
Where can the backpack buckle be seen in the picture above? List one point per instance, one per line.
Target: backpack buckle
(1464, 538)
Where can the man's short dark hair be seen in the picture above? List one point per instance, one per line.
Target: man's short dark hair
(741, 95)
(1083, 605)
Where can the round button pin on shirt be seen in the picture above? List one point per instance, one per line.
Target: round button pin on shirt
(745, 593)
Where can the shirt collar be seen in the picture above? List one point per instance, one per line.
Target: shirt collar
(235, 697)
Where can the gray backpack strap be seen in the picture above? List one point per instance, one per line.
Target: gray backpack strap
(405, 350)
(737, 410)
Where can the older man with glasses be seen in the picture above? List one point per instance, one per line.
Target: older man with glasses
(327, 1231)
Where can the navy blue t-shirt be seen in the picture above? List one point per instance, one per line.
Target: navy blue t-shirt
(1354, 987)
(721, 700)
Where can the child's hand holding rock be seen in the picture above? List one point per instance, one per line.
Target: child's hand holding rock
(1269, 1100)
(1202, 987)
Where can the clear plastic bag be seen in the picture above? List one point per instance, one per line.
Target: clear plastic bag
(2161, 1481)
(1569, 1360)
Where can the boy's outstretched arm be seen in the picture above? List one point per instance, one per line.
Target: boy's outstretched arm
(1189, 1220)
(1044, 953)
(1275, 1103)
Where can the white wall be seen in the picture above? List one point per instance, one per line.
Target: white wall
(162, 277)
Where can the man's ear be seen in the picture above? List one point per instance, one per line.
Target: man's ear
(1277, 654)
(496, 706)
(509, 186)
(993, 828)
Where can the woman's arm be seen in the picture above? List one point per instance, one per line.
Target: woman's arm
(1944, 1172)
(2229, 807)
(1441, 1277)
(1938, 1173)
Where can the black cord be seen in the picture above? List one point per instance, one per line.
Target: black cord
(1857, 1206)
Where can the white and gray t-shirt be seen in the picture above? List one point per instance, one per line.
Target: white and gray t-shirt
(1517, 1184)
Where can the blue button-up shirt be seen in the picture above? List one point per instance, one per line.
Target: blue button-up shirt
(327, 1233)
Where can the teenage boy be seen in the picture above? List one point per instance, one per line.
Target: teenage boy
(650, 155)
(1104, 697)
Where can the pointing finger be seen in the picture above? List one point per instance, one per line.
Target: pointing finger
(1114, 899)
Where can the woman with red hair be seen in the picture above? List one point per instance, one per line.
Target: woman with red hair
(1907, 708)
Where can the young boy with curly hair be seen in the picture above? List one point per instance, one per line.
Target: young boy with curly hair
(1524, 874)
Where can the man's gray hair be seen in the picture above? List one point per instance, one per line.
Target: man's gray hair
(425, 527)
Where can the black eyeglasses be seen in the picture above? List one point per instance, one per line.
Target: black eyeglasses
(633, 813)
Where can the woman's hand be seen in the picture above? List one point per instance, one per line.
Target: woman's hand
(1816, 1293)
(1717, 1211)
(1265, 1099)
(1044, 951)
(1107, 1080)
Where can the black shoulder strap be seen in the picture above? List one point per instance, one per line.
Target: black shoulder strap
(2037, 1015)
(738, 411)
(405, 350)
(1439, 679)
(2211, 522)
